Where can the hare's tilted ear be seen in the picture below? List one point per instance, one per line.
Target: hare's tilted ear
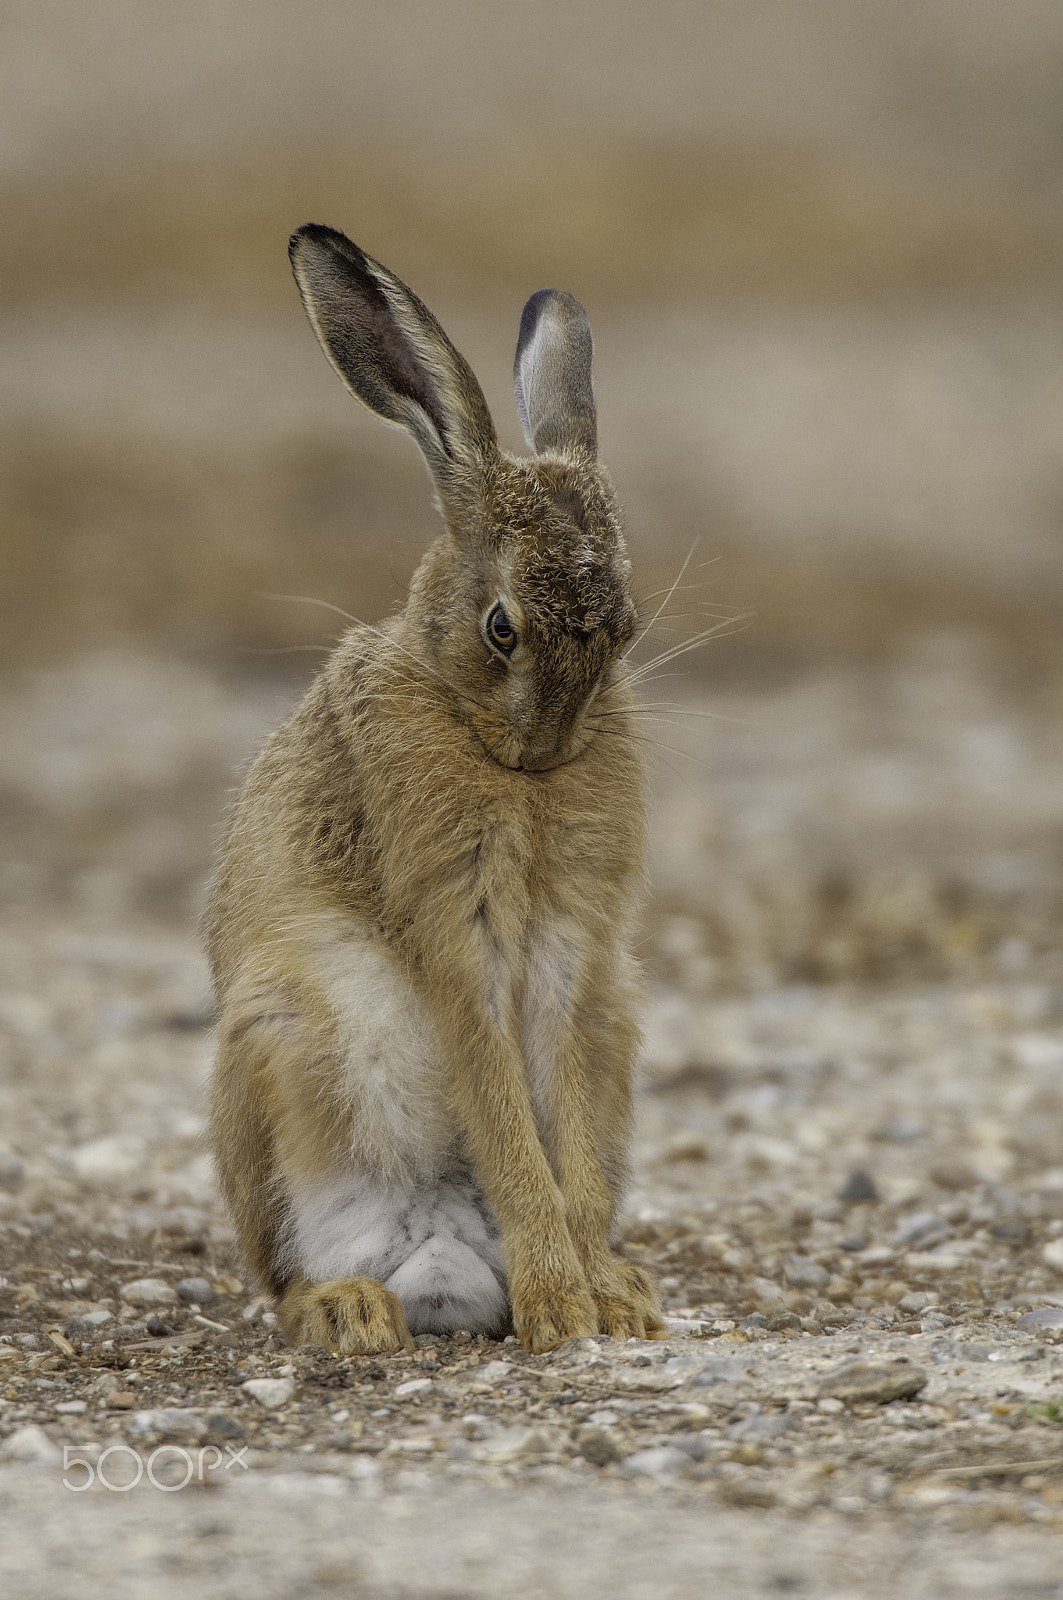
(391, 352)
(552, 375)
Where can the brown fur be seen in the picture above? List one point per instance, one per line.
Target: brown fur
(450, 805)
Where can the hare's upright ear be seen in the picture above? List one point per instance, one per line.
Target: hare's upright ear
(552, 375)
(391, 352)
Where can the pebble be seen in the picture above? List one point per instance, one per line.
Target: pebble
(917, 1263)
(166, 1422)
(899, 1130)
(490, 1372)
(1042, 1317)
(415, 1386)
(915, 1300)
(685, 1327)
(224, 1426)
(271, 1392)
(762, 1426)
(647, 1380)
(1053, 1254)
(722, 1369)
(148, 1292)
(28, 1444)
(71, 1408)
(87, 1320)
(600, 1446)
(801, 1272)
(859, 1186)
(104, 1160)
(660, 1462)
(873, 1383)
(195, 1291)
(518, 1444)
(923, 1228)
(12, 1170)
(769, 1294)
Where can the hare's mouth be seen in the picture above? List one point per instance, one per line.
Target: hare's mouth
(546, 763)
(506, 746)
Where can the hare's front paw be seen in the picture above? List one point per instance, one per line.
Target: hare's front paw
(349, 1316)
(626, 1298)
(546, 1315)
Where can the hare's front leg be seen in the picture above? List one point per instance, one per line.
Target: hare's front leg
(549, 1292)
(581, 1040)
(625, 1296)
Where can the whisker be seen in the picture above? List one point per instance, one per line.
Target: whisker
(279, 650)
(683, 587)
(673, 652)
(664, 602)
(305, 599)
(652, 709)
(308, 600)
(650, 744)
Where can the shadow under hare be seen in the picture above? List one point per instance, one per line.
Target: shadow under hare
(420, 925)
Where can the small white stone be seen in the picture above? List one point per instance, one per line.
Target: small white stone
(1053, 1254)
(102, 1160)
(684, 1327)
(661, 1461)
(647, 1380)
(494, 1371)
(769, 1294)
(414, 1386)
(167, 1422)
(513, 1444)
(92, 1319)
(148, 1292)
(270, 1392)
(28, 1444)
(71, 1408)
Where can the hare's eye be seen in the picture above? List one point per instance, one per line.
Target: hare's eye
(501, 632)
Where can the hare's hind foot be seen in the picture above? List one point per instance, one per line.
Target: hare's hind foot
(349, 1316)
(626, 1301)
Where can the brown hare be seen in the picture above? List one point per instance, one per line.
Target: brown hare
(420, 926)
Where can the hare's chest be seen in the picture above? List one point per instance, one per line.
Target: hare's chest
(390, 1052)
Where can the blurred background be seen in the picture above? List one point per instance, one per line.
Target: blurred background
(821, 249)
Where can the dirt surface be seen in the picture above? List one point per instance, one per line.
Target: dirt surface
(831, 1176)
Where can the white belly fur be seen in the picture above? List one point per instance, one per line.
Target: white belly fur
(435, 1246)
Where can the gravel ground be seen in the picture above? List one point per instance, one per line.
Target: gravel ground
(852, 1192)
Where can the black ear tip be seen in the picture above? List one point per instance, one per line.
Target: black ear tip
(529, 317)
(567, 310)
(317, 233)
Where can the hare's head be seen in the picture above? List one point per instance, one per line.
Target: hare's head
(522, 605)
